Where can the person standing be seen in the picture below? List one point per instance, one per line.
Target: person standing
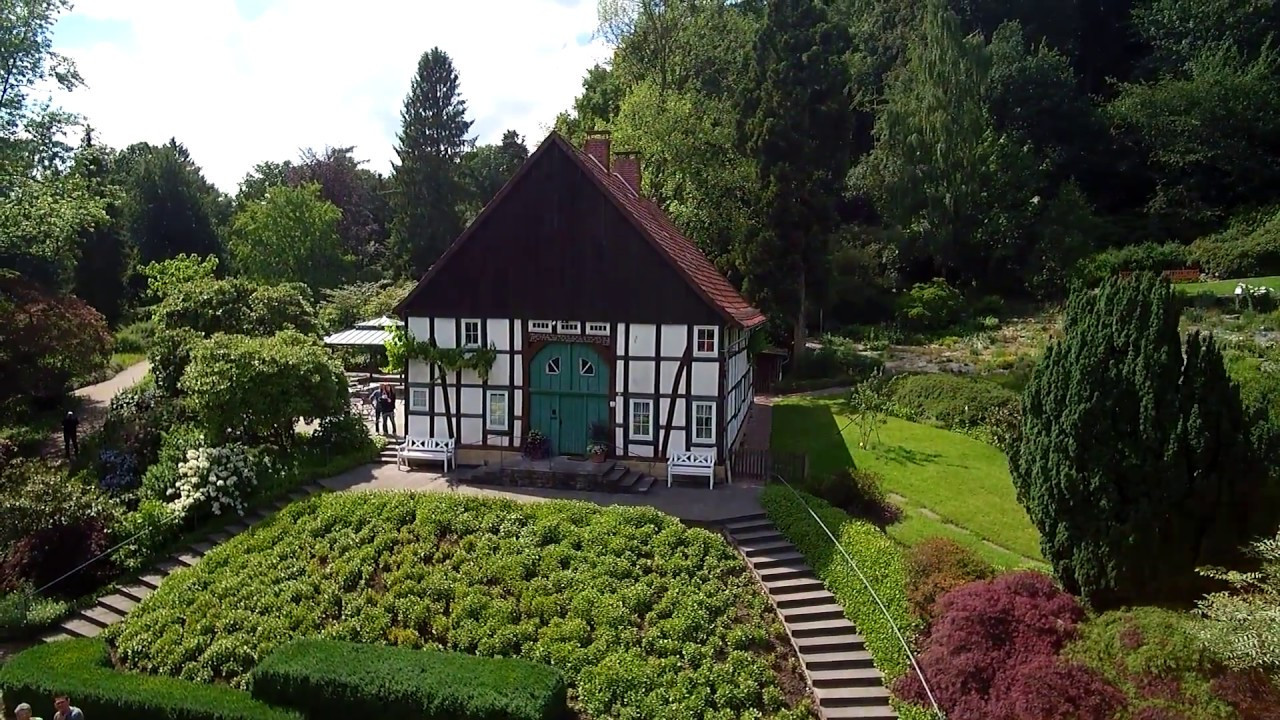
(70, 430)
(23, 712)
(388, 408)
(65, 710)
(375, 400)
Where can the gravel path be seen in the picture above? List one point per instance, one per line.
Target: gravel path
(94, 400)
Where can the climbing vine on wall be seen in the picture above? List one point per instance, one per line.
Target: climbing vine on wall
(403, 347)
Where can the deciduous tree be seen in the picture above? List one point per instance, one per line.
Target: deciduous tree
(291, 235)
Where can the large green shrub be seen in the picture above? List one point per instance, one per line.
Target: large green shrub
(836, 360)
(1142, 257)
(1242, 628)
(1133, 449)
(169, 355)
(254, 389)
(1249, 248)
(934, 305)
(81, 668)
(273, 308)
(236, 306)
(339, 680)
(877, 556)
(955, 402)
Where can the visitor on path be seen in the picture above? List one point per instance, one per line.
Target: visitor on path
(66, 711)
(23, 712)
(70, 428)
(375, 401)
(388, 407)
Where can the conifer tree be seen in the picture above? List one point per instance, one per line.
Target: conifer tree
(1135, 462)
(428, 189)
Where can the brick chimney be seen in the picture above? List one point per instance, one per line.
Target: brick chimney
(627, 167)
(597, 146)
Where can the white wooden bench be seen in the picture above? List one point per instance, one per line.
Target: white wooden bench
(413, 448)
(701, 463)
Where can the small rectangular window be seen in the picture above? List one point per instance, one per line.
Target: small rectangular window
(597, 328)
(540, 326)
(642, 419)
(571, 327)
(495, 413)
(704, 340)
(470, 333)
(704, 422)
(417, 398)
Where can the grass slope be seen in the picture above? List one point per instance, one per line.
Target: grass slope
(645, 617)
(959, 480)
(1228, 287)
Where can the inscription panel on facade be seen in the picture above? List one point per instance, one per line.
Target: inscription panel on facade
(553, 337)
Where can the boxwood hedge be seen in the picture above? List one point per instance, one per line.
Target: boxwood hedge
(81, 668)
(334, 679)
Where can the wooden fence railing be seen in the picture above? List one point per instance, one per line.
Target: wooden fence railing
(1186, 275)
(763, 463)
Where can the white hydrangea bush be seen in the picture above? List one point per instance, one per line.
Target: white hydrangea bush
(218, 478)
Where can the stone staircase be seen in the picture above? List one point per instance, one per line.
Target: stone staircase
(845, 682)
(111, 609)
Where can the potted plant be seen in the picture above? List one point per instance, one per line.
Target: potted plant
(598, 441)
(536, 446)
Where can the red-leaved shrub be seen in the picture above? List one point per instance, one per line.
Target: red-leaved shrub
(938, 566)
(992, 638)
(46, 340)
(49, 553)
(1050, 689)
(1252, 694)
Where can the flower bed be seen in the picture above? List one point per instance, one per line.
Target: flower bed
(645, 617)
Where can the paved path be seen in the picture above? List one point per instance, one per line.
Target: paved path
(94, 400)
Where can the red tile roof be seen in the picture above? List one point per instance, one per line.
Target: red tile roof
(654, 224)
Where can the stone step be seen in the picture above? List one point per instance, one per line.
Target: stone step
(236, 528)
(202, 547)
(786, 571)
(257, 516)
(220, 537)
(101, 616)
(645, 484)
(136, 591)
(852, 696)
(79, 627)
(786, 586)
(826, 644)
(55, 637)
(152, 580)
(843, 660)
(778, 558)
(820, 628)
(297, 494)
(119, 602)
(313, 488)
(742, 526)
(756, 535)
(884, 712)
(615, 474)
(804, 598)
(846, 677)
(809, 613)
(187, 558)
(629, 479)
(754, 549)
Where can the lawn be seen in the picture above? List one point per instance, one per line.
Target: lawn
(1228, 287)
(645, 617)
(944, 476)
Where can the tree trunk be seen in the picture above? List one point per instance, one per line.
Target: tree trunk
(797, 347)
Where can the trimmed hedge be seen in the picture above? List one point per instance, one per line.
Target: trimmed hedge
(877, 556)
(333, 679)
(955, 402)
(81, 669)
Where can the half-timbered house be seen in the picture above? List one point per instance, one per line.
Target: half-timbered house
(598, 310)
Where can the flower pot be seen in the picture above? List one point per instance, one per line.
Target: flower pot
(598, 456)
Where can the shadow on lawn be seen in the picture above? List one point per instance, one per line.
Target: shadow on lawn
(903, 455)
(816, 430)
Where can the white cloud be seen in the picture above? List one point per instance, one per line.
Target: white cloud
(238, 90)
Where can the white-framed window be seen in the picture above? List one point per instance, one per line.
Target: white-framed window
(586, 368)
(704, 340)
(569, 327)
(540, 326)
(641, 423)
(495, 410)
(553, 366)
(418, 398)
(595, 328)
(470, 333)
(704, 422)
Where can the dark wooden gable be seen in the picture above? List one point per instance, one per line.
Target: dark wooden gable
(554, 246)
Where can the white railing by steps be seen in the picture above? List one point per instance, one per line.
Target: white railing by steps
(896, 631)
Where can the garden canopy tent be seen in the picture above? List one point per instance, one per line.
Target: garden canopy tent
(366, 334)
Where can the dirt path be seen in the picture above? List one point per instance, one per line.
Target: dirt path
(94, 400)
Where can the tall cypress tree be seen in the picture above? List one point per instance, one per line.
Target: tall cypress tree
(106, 253)
(1135, 462)
(429, 192)
(797, 121)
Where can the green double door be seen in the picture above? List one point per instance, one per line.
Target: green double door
(568, 390)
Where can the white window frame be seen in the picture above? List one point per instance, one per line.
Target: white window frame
(631, 419)
(540, 326)
(693, 415)
(466, 326)
(715, 340)
(582, 367)
(569, 327)
(426, 398)
(546, 369)
(489, 423)
(597, 328)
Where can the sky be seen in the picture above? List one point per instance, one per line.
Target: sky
(243, 81)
